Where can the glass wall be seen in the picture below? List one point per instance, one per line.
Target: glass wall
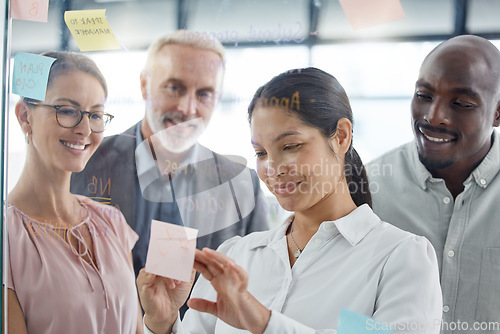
(377, 65)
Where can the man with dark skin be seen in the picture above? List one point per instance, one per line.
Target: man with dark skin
(445, 184)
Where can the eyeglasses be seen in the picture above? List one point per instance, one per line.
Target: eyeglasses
(69, 116)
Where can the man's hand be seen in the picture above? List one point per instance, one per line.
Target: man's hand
(161, 299)
(235, 305)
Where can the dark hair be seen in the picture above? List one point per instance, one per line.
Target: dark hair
(318, 100)
(72, 61)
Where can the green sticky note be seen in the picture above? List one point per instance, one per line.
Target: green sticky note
(354, 323)
(30, 75)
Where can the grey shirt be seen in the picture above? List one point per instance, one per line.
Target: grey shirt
(465, 232)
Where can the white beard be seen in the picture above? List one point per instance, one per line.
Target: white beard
(180, 137)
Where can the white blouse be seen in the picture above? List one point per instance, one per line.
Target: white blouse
(357, 262)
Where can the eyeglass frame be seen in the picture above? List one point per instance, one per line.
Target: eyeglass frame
(82, 112)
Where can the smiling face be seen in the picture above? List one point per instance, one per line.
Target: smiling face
(53, 146)
(294, 160)
(454, 108)
(181, 90)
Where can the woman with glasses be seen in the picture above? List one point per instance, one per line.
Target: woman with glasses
(68, 266)
(332, 253)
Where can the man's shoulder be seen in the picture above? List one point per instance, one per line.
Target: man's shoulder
(230, 162)
(115, 150)
(230, 166)
(114, 157)
(397, 160)
(119, 142)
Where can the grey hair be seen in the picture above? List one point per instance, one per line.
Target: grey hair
(188, 38)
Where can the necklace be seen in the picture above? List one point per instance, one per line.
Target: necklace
(299, 251)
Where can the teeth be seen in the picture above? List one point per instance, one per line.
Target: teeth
(73, 146)
(437, 140)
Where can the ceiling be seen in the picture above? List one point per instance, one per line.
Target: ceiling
(240, 23)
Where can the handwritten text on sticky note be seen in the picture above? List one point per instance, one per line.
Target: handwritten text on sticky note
(30, 75)
(368, 13)
(29, 10)
(171, 250)
(91, 30)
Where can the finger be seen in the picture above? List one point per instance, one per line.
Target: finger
(144, 278)
(202, 269)
(203, 257)
(202, 305)
(238, 274)
(171, 283)
(193, 275)
(216, 262)
(211, 265)
(218, 256)
(239, 271)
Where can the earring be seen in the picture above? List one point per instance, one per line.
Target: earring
(27, 137)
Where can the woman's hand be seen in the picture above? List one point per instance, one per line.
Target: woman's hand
(161, 299)
(235, 305)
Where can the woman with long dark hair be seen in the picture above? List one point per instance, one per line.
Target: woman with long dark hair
(332, 253)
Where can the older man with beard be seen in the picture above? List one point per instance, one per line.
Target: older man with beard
(158, 170)
(445, 184)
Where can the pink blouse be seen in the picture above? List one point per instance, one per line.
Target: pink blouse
(59, 292)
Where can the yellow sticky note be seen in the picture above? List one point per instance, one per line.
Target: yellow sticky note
(368, 13)
(91, 30)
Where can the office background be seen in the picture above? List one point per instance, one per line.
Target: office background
(377, 65)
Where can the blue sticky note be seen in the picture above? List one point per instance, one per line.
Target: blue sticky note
(30, 76)
(354, 323)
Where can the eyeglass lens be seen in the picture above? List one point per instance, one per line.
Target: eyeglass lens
(70, 117)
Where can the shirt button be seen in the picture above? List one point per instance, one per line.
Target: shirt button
(451, 253)
(318, 241)
(482, 181)
(446, 200)
(168, 188)
(446, 308)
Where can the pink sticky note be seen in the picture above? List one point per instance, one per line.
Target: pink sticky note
(368, 13)
(171, 250)
(29, 10)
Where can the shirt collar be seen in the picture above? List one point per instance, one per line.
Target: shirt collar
(357, 224)
(482, 174)
(488, 168)
(353, 227)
